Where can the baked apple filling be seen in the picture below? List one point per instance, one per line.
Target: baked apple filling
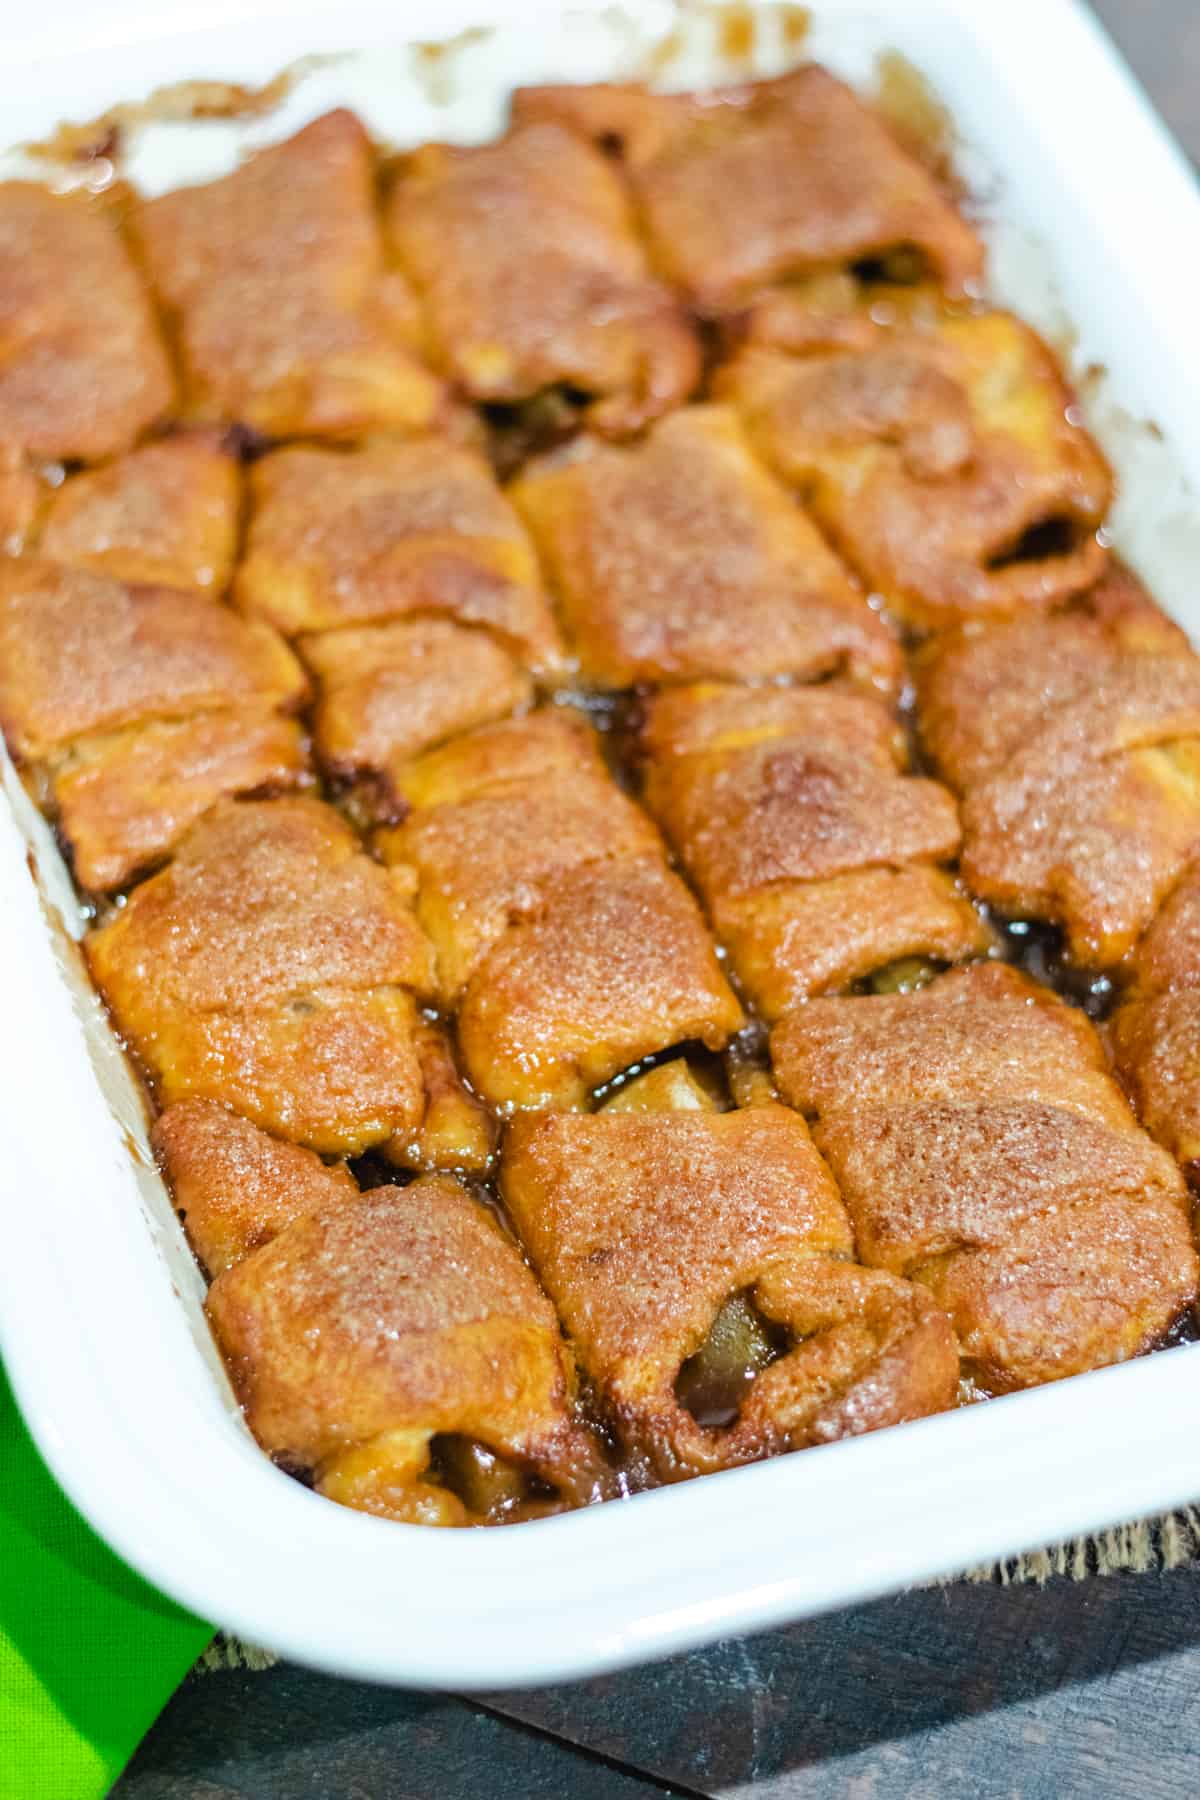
(713, 1383)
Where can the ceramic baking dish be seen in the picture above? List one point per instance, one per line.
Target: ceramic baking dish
(1094, 223)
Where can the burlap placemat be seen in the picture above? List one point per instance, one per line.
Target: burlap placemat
(1163, 1543)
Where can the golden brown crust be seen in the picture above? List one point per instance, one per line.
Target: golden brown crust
(346, 537)
(789, 812)
(1077, 742)
(816, 937)
(1071, 1291)
(796, 808)
(1168, 956)
(612, 964)
(525, 255)
(21, 496)
(744, 187)
(1069, 831)
(265, 900)
(265, 968)
(235, 1187)
(712, 717)
(82, 369)
(408, 1311)
(1156, 1041)
(983, 1149)
(643, 1225)
(336, 1069)
(389, 692)
(81, 653)
(983, 692)
(836, 310)
(274, 282)
(482, 863)
(123, 801)
(165, 515)
(550, 743)
(931, 1177)
(942, 461)
(680, 558)
(1155, 1032)
(987, 1032)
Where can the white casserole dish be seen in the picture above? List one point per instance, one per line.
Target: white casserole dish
(101, 1326)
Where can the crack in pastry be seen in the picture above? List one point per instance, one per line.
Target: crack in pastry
(417, 594)
(699, 1262)
(480, 853)
(165, 515)
(680, 558)
(273, 281)
(983, 1149)
(940, 458)
(533, 279)
(137, 708)
(1075, 742)
(742, 188)
(83, 371)
(390, 692)
(1155, 1031)
(386, 1342)
(271, 966)
(816, 854)
(562, 940)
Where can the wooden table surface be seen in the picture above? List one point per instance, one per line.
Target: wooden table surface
(966, 1692)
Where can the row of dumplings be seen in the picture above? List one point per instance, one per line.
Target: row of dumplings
(934, 1174)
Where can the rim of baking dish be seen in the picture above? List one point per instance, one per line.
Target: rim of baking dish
(107, 1363)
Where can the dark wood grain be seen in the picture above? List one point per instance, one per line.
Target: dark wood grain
(970, 1692)
(958, 1693)
(285, 1734)
(1088, 1690)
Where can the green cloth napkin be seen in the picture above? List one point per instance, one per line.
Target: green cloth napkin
(89, 1653)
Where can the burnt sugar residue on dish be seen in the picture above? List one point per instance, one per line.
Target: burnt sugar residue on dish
(640, 841)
